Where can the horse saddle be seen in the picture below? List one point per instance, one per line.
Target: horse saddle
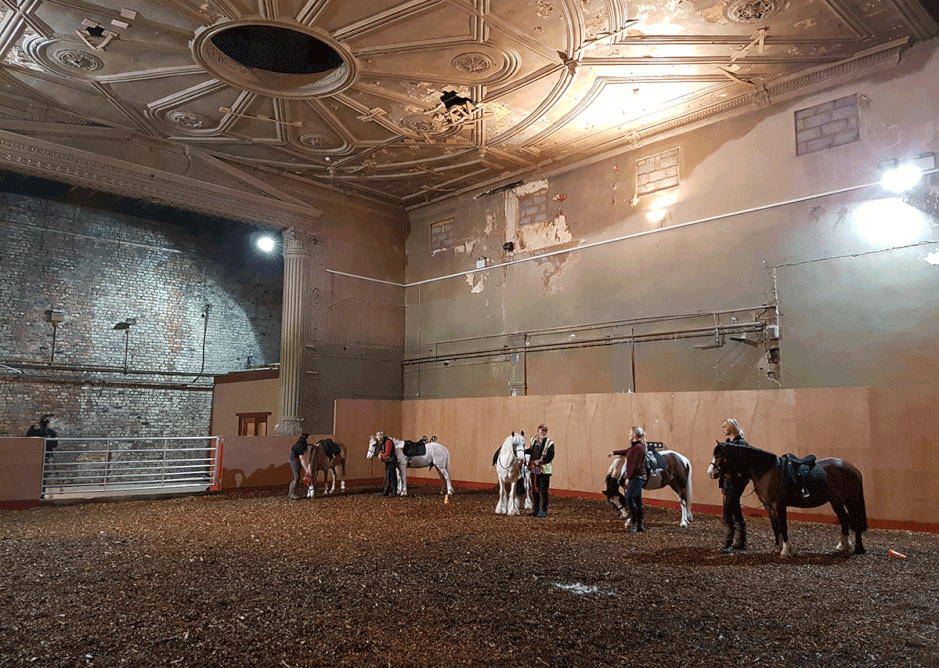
(330, 448)
(801, 474)
(654, 461)
(415, 448)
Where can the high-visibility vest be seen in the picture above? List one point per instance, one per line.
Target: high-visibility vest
(548, 443)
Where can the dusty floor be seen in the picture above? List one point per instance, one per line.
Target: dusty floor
(361, 580)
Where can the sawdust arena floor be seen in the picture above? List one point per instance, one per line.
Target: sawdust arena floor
(251, 579)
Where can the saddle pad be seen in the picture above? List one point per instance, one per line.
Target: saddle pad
(330, 448)
(415, 449)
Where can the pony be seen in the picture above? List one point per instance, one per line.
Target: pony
(511, 464)
(316, 459)
(777, 486)
(676, 474)
(418, 455)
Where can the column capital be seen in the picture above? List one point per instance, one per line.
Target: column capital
(297, 242)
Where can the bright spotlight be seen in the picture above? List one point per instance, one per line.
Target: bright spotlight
(265, 244)
(889, 221)
(901, 178)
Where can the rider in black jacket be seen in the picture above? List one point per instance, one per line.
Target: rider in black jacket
(733, 485)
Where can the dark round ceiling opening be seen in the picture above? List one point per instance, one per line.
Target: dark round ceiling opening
(275, 49)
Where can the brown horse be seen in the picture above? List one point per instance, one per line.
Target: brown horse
(828, 480)
(676, 474)
(317, 459)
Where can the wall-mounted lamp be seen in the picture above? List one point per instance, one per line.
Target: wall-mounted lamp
(508, 246)
(125, 326)
(54, 316)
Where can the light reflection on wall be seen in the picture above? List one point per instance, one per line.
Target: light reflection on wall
(889, 221)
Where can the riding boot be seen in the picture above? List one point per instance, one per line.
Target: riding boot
(641, 514)
(634, 518)
(741, 542)
(728, 538)
(292, 492)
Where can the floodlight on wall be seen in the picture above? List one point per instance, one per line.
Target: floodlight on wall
(900, 176)
(265, 243)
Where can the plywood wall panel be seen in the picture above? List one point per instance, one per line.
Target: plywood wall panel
(890, 434)
(355, 421)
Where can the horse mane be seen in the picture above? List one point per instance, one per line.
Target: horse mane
(759, 460)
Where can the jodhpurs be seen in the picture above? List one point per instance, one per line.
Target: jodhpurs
(634, 496)
(733, 513)
(543, 481)
(296, 467)
(391, 479)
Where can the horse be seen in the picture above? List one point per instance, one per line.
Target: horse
(317, 459)
(510, 463)
(676, 474)
(418, 455)
(829, 480)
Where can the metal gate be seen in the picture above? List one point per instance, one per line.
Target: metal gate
(94, 467)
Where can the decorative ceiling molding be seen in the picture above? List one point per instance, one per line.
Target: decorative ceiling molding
(44, 159)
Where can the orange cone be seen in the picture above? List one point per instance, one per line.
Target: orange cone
(894, 553)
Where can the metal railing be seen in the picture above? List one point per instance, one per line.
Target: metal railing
(104, 466)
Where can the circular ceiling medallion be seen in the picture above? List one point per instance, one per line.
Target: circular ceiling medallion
(752, 11)
(275, 58)
(317, 141)
(78, 60)
(189, 120)
(472, 63)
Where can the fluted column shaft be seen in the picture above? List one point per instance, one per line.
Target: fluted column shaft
(298, 259)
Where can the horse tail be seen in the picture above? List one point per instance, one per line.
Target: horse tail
(859, 510)
(689, 484)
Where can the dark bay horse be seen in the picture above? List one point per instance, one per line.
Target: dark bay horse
(676, 474)
(830, 480)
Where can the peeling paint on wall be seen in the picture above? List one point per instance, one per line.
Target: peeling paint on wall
(553, 268)
(475, 286)
(539, 236)
(464, 248)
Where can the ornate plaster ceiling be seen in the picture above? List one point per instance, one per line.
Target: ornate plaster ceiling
(416, 100)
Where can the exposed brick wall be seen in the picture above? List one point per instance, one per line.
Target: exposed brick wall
(101, 268)
(657, 172)
(827, 125)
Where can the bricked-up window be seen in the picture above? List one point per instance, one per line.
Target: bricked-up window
(827, 125)
(441, 235)
(252, 424)
(533, 208)
(657, 172)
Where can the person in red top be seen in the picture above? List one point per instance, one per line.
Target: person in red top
(636, 475)
(387, 453)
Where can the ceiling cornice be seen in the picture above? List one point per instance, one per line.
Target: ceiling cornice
(35, 157)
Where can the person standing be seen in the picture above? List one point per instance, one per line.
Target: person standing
(636, 476)
(541, 454)
(733, 485)
(388, 454)
(296, 466)
(46, 432)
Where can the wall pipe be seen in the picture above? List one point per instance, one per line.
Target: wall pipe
(626, 237)
(94, 369)
(736, 328)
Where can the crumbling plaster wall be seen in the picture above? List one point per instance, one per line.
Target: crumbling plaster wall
(851, 311)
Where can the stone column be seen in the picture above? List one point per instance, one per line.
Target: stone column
(298, 258)
(317, 415)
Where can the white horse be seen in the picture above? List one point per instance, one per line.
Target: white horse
(510, 462)
(435, 456)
